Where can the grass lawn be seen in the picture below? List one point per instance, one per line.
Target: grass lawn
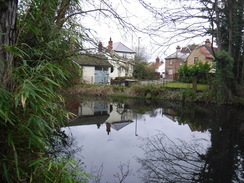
(185, 85)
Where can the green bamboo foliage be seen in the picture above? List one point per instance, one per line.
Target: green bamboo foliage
(33, 109)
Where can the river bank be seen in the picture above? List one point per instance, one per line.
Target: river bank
(150, 92)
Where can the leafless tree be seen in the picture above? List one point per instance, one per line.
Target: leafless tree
(142, 54)
(197, 161)
(124, 172)
(169, 161)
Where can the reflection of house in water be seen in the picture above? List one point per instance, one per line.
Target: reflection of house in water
(193, 127)
(91, 113)
(119, 117)
(93, 109)
(115, 116)
(170, 113)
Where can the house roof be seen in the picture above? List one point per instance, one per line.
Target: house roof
(88, 120)
(118, 125)
(208, 51)
(179, 55)
(93, 60)
(156, 65)
(120, 47)
(182, 53)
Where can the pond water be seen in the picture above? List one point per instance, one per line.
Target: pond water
(143, 141)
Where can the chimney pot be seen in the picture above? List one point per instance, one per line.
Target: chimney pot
(100, 47)
(207, 42)
(157, 60)
(110, 44)
(178, 48)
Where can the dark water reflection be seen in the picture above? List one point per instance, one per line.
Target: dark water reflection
(140, 141)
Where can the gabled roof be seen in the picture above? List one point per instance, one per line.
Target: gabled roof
(120, 47)
(88, 120)
(207, 51)
(178, 55)
(92, 60)
(118, 125)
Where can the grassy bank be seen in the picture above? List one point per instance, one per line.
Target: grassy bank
(169, 91)
(180, 85)
(175, 91)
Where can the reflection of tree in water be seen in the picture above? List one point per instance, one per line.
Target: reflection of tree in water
(169, 161)
(62, 148)
(222, 162)
(62, 144)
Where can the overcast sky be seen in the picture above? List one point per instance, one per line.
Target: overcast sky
(133, 12)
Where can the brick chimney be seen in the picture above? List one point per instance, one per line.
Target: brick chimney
(157, 60)
(110, 44)
(178, 48)
(207, 42)
(100, 47)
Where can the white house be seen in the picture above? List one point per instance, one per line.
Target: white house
(121, 58)
(95, 68)
(159, 67)
(112, 115)
(117, 60)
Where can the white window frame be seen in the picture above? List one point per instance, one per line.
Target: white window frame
(170, 62)
(170, 71)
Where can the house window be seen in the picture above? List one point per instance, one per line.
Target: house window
(170, 71)
(195, 60)
(170, 62)
(124, 55)
(99, 68)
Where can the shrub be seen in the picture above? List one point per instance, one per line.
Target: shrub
(143, 71)
(188, 72)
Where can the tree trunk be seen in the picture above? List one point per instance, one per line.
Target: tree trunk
(65, 4)
(8, 12)
(230, 14)
(218, 30)
(194, 83)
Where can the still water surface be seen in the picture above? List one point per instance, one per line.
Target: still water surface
(139, 141)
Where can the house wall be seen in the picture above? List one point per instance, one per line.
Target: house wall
(161, 70)
(171, 67)
(126, 55)
(130, 70)
(201, 57)
(115, 116)
(86, 109)
(88, 74)
(120, 69)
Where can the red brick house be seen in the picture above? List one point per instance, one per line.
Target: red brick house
(203, 53)
(173, 61)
